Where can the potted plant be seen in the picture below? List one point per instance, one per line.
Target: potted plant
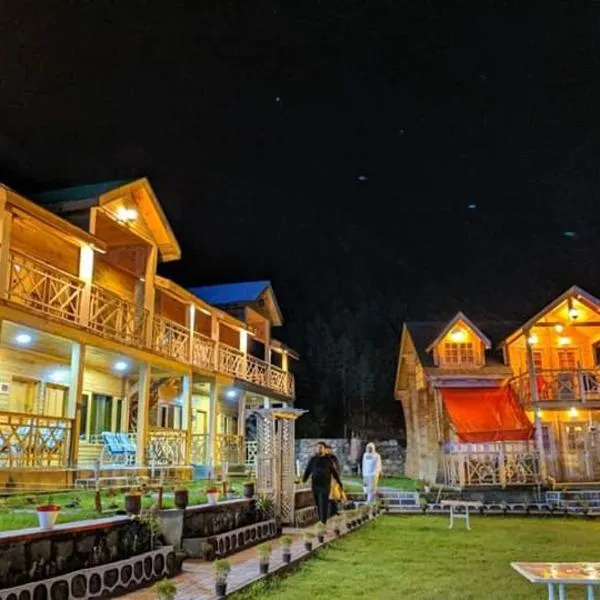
(222, 569)
(47, 514)
(264, 554)
(165, 589)
(337, 530)
(133, 502)
(212, 493)
(286, 547)
(320, 528)
(207, 550)
(249, 489)
(308, 540)
(265, 507)
(182, 498)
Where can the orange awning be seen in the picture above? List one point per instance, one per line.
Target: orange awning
(486, 414)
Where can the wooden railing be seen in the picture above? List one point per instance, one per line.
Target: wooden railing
(171, 339)
(229, 449)
(115, 318)
(44, 288)
(281, 381)
(200, 449)
(34, 441)
(558, 385)
(257, 371)
(166, 447)
(494, 464)
(231, 361)
(203, 352)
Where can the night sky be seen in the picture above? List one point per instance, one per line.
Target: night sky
(395, 158)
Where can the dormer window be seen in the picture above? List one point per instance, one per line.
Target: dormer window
(459, 354)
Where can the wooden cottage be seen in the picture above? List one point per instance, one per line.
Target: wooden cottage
(504, 404)
(101, 359)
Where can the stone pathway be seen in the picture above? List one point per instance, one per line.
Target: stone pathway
(197, 581)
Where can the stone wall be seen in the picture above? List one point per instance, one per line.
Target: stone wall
(350, 453)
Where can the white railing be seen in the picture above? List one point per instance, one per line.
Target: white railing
(559, 385)
(171, 339)
(230, 361)
(200, 449)
(44, 288)
(491, 464)
(251, 453)
(203, 352)
(229, 449)
(32, 441)
(116, 318)
(166, 447)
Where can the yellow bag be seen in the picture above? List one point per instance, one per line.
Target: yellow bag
(336, 493)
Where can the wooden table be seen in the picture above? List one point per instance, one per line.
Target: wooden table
(454, 504)
(559, 575)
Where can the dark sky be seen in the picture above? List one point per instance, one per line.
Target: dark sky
(333, 147)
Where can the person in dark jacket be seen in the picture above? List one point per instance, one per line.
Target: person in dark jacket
(322, 469)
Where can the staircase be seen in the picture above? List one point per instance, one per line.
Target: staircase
(397, 501)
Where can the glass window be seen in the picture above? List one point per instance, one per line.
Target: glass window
(456, 354)
(567, 358)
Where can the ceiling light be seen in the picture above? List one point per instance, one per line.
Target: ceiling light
(23, 339)
(231, 393)
(572, 412)
(59, 375)
(559, 328)
(121, 365)
(458, 335)
(532, 339)
(573, 313)
(564, 341)
(127, 214)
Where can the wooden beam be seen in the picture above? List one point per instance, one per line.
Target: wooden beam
(149, 292)
(143, 413)
(75, 398)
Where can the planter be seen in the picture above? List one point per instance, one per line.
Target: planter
(47, 516)
(308, 546)
(249, 490)
(263, 567)
(221, 589)
(133, 504)
(321, 538)
(182, 498)
(213, 497)
(287, 557)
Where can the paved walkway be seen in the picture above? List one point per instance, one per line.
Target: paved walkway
(197, 581)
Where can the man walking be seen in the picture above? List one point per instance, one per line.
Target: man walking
(322, 469)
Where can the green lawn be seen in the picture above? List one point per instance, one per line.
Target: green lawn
(418, 557)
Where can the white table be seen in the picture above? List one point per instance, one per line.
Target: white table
(559, 575)
(454, 504)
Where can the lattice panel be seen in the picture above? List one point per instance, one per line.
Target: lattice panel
(288, 470)
(264, 458)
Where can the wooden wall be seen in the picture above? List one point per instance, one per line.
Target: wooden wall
(229, 336)
(203, 323)
(113, 279)
(170, 308)
(36, 242)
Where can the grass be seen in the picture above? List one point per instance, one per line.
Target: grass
(419, 558)
(355, 484)
(18, 511)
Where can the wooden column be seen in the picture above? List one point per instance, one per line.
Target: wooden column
(149, 292)
(75, 399)
(191, 325)
(186, 394)
(86, 273)
(143, 412)
(533, 391)
(5, 236)
(244, 350)
(242, 415)
(284, 361)
(212, 426)
(214, 334)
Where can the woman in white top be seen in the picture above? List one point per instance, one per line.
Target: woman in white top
(371, 471)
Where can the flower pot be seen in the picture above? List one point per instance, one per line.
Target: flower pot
(263, 567)
(287, 557)
(213, 497)
(182, 498)
(221, 589)
(249, 490)
(308, 546)
(133, 504)
(321, 538)
(47, 517)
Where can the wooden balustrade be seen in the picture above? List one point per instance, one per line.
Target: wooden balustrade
(203, 352)
(166, 447)
(171, 339)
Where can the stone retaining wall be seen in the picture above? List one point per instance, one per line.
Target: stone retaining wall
(349, 454)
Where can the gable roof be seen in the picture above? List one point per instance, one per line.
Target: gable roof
(78, 192)
(457, 318)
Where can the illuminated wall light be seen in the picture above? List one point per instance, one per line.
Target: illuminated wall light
(23, 339)
(59, 375)
(573, 313)
(532, 339)
(458, 335)
(539, 413)
(231, 393)
(564, 341)
(572, 412)
(126, 214)
(559, 328)
(121, 365)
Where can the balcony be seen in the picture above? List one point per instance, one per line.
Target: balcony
(115, 318)
(203, 352)
(171, 339)
(564, 386)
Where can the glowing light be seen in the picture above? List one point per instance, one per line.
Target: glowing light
(458, 335)
(573, 314)
(532, 339)
(572, 412)
(559, 328)
(539, 412)
(121, 365)
(59, 375)
(127, 214)
(564, 341)
(23, 339)
(231, 393)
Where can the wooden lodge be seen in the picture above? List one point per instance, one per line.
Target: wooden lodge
(504, 404)
(104, 362)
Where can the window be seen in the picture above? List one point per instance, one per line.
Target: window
(457, 354)
(56, 400)
(567, 359)
(537, 360)
(23, 394)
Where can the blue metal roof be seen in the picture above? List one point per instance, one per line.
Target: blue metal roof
(80, 192)
(231, 293)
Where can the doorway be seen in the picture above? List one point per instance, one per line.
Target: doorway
(574, 451)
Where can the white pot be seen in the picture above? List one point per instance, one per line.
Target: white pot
(47, 518)
(212, 498)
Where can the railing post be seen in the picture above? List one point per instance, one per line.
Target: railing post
(149, 292)
(502, 466)
(244, 351)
